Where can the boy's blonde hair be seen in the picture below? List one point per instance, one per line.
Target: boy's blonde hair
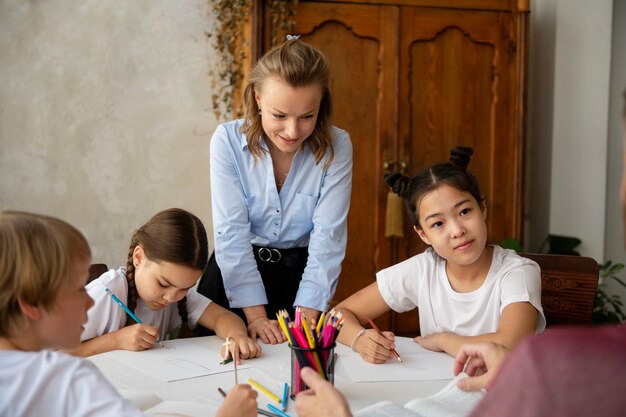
(36, 255)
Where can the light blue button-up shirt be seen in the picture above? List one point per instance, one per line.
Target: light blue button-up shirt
(310, 210)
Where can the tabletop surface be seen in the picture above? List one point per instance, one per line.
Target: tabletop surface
(272, 369)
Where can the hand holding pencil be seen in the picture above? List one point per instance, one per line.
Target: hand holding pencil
(375, 327)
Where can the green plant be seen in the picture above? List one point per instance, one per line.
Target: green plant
(231, 44)
(608, 308)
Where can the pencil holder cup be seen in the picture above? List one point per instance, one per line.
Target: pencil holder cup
(320, 359)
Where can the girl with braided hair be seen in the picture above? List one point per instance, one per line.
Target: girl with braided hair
(166, 258)
(465, 289)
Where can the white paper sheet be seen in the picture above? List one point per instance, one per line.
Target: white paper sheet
(175, 360)
(418, 364)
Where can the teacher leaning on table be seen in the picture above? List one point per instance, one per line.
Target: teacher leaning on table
(280, 190)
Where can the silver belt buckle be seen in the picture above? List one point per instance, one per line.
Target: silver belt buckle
(265, 254)
(278, 256)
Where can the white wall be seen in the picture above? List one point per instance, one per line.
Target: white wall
(579, 149)
(105, 113)
(614, 237)
(577, 73)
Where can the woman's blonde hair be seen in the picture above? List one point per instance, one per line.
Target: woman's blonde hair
(36, 256)
(299, 65)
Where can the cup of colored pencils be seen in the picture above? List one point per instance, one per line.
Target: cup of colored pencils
(311, 344)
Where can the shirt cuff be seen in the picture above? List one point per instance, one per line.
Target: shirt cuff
(246, 296)
(314, 298)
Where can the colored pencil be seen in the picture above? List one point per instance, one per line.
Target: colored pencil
(285, 395)
(375, 327)
(277, 411)
(126, 309)
(264, 390)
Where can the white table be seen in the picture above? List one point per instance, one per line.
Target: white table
(272, 366)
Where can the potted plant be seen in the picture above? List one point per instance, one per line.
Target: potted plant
(608, 308)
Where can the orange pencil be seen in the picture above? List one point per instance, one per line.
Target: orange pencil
(375, 327)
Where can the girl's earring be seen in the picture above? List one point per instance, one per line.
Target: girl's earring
(259, 112)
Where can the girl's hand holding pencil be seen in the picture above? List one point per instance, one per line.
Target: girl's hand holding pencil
(136, 337)
(375, 346)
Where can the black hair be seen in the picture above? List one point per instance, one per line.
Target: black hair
(453, 173)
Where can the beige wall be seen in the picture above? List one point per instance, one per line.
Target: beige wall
(105, 114)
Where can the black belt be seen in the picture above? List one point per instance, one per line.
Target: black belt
(289, 257)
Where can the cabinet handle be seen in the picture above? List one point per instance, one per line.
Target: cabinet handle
(394, 166)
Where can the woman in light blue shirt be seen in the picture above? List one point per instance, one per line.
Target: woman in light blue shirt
(280, 189)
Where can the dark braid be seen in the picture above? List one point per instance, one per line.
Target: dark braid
(131, 302)
(453, 173)
(185, 331)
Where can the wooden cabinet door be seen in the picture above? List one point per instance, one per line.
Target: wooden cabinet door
(460, 85)
(409, 83)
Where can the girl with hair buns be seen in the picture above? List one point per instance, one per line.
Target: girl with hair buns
(280, 192)
(465, 290)
(166, 258)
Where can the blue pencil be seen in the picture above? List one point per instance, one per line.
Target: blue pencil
(277, 410)
(126, 309)
(285, 395)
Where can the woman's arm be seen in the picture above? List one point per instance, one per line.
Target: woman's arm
(518, 321)
(328, 238)
(371, 346)
(232, 230)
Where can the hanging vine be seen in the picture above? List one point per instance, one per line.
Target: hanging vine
(230, 43)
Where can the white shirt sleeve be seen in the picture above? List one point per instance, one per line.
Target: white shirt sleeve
(105, 316)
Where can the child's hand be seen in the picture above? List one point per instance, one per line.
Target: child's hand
(375, 348)
(267, 330)
(244, 346)
(137, 337)
(432, 341)
(321, 399)
(240, 401)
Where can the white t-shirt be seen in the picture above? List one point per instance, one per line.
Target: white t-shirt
(107, 316)
(422, 282)
(46, 383)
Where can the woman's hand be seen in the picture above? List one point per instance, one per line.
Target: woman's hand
(481, 362)
(375, 348)
(240, 402)
(136, 337)
(310, 314)
(267, 330)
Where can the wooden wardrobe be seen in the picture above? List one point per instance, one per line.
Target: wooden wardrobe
(410, 80)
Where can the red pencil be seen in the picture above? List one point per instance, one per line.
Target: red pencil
(375, 327)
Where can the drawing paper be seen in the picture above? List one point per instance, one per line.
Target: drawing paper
(418, 364)
(175, 360)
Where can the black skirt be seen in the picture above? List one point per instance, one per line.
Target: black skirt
(281, 271)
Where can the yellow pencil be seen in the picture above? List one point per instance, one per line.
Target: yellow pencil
(320, 322)
(264, 390)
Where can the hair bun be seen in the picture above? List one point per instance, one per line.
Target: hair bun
(460, 156)
(398, 183)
